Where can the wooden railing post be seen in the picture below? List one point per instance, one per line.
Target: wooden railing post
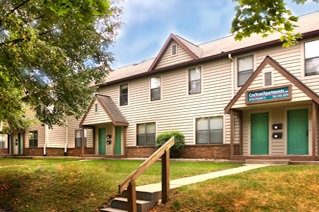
(165, 176)
(131, 196)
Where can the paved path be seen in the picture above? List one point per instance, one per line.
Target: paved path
(200, 178)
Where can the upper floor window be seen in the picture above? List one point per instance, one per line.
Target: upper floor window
(174, 49)
(95, 107)
(78, 138)
(209, 130)
(123, 94)
(312, 58)
(245, 69)
(194, 80)
(33, 139)
(146, 134)
(155, 88)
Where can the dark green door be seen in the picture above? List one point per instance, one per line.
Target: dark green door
(118, 133)
(298, 132)
(102, 141)
(259, 133)
(19, 143)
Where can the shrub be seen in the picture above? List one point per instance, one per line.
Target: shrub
(179, 145)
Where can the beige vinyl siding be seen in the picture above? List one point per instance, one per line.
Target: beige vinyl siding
(73, 125)
(57, 136)
(96, 117)
(278, 80)
(36, 126)
(168, 59)
(277, 146)
(246, 131)
(177, 110)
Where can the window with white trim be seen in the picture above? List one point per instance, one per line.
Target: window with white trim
(2, 142)
(209, 130)
(33, 139)
(267, 78)
(155, 88)
(146, 134)
(245, 67)
(123, 94)
(174, 49)
(194, 85)
(78, 138)
(312, 58)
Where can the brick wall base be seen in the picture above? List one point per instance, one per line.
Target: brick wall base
(208, 151)
(4, 151)
(56, 151)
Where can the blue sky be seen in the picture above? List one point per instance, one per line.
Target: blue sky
(148, 23)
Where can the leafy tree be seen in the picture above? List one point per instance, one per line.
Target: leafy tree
(50, 51)
(264, 17)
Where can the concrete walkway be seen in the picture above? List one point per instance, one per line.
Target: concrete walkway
(199, 178)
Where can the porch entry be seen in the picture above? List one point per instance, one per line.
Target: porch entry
(102, 141)
(298, 132)
(259, 134)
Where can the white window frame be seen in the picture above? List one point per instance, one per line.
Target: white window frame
(238, 71)
(34, 139)
(312, 56)
(145, 145)
(160, 88)
(75, 138)
(120, 89)
(209, 130)
(189, 80)
(172, 49)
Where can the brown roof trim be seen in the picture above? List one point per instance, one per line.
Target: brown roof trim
(268, 60)
(165, 47)
(244, 50)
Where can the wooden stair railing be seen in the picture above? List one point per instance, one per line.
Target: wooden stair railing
(129, 182)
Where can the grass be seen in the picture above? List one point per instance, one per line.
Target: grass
(72, 185)
(273, 188)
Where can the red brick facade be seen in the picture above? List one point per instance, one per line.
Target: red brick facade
(3, 150)
(210, 151)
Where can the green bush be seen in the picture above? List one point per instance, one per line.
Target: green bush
(179, 142)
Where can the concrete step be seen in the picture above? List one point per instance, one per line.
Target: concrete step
(145, 195)
(112, 210)
(141, 205)
(268, 161)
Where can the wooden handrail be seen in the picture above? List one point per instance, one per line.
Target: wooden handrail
(129, 182)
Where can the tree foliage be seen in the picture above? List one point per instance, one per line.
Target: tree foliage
(265, 17)
(50, 51)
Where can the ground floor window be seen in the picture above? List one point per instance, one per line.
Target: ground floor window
(78, 138)
(146, 134)
(33, 139)
(2, 141)
(209, 130)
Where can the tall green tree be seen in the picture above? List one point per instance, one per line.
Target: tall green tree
(265, 17)
(50, 52)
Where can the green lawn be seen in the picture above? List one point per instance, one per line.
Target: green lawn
(273, 188)
(73, 185)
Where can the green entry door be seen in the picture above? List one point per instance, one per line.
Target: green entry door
(102, 141)
(298, 132)
(118, 135)
(20, 143)
(259, 133)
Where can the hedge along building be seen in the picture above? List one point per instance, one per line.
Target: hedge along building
(200, 91)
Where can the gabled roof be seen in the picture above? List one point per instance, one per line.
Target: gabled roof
(187, 46)
(273, 63)
(209, 51)
(110, 109)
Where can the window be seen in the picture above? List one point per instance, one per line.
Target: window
(174, 49)
(78, 138)
(245, 69)
(267, 77)
(123, 94)
(194, 80)
(2, 142)
(146, 134)
(209, 130)
(155, 88)
(95, 108)
(33, 139)
(312, 58)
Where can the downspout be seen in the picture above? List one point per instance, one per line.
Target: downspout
(45, 140)
(66, 139)
(232, 75)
